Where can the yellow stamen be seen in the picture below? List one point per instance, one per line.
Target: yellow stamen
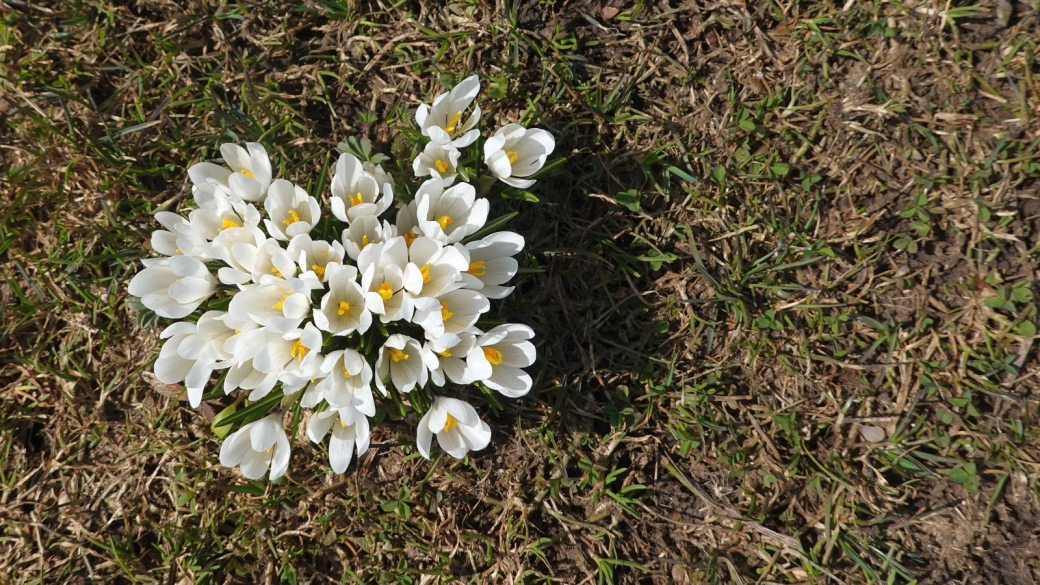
(425, 270)
(513, 155)
(444, 222)
(385, 291)
(237, 331)
(450, 423)
(344, 308)
(298, 350)
(346, 374)
(247, 173)
(356, 199)
(409, 237)
(293, 217)
(445, 313)
(453, 122)
(364, 241)
(341, 423)
(268, 450)
(493, 355)
(276, 272)
(441, 165)
(445, 353)
(397, 355)
(318, 270)
(178, 250)
(227, 223)
(278, 306)
(476, 268)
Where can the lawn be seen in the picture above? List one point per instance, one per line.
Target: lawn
(781, 268)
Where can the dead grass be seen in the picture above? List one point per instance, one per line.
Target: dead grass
(785, 307)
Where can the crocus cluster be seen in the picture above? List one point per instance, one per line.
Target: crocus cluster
(332, 305)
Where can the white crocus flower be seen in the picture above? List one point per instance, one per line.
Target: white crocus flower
(443, 122)
(452, 312)
(408, 215)
(257, 447)
(356, 192)
(343, 309)
(515, 152)
(243, 375)
(295, 357)
(349, 430)
(498, 356)
(453, 214)
(386, 276)
(348, 383)
(173, 287)
(364, 231)
(192, 236)
(315, 256)
(445, 356)
(491, 263)
(306, 372)
(438, 161)
(438, 265)
(279, 304)
(238, 248)
(191, 353)
(290, 209)
(178, 238)
(382, 178)
(252, 170)
(206, 177)
(400, 361)
(272, 263)
(457, 425)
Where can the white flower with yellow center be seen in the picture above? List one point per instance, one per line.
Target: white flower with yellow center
(445, 356)
(258, 446)
(453, 214)
(290, 210)
(348, 383)
(244, 376)
(307, 369)
(356, 192)
(365, 231)
(408, 215)
(238, 248)
(385, 278)
(515, 152)
(498, 356)
(401, 362)
(178, 239)
(438, 161)
(252, 170)
(206, 178)
(343, 309)
(446, 122)
(294, 357)
(491, 263)
(272, 263)
(315, 256)
(350, 429)
(438, 265)
(457, 425)
(173, 287)
(193, 352)
(452, 312)
(280, 304)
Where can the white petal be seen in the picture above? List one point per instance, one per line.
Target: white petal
(423, 435)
